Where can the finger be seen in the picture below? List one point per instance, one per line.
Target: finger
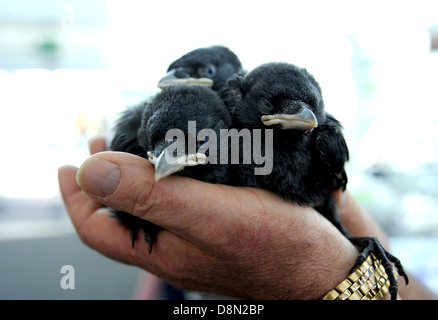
(339, 197)
(357, 220)
(79, 206)
(97, 144)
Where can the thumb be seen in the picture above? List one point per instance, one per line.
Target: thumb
(126, 182)
(115, 178)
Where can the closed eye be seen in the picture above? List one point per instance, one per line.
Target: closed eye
(265, 106)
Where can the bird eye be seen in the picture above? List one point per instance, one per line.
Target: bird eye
(210, 71)
(265, 106)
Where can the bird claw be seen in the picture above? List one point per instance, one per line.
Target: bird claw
(372, 244)
(134, 223)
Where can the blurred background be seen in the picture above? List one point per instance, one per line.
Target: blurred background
(68, 68)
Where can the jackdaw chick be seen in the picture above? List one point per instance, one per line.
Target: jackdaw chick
(183, 125)
(308, 147)
(309, 150)
(210, 66)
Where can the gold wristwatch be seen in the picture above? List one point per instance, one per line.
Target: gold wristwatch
(368, 281)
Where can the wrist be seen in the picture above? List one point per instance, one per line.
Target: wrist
(335, 264)
(324, 259)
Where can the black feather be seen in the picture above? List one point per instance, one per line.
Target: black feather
(125, 131)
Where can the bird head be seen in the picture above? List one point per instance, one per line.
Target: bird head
(281, 96)
(210, 66)
(188, 109)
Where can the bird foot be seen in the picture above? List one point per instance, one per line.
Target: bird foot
(134, 223)
(371, 244)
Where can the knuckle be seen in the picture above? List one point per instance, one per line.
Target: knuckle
(145, 200)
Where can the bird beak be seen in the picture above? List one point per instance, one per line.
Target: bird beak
(304, 120)
(151, 157)
(170, 79)
(166, 165)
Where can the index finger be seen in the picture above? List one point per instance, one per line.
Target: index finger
(74, 198)
(97, 144)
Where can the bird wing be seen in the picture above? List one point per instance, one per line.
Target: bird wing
(332, 151)
(125, 133)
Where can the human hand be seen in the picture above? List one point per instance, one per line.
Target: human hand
(240, 242)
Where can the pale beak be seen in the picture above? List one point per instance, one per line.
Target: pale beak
(170, 79)
(166, 164)
(304, 120)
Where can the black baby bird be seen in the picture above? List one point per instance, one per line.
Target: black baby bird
(178, 126)
(309, 150)
(209, 66)
(308, 147)
(188, 109)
